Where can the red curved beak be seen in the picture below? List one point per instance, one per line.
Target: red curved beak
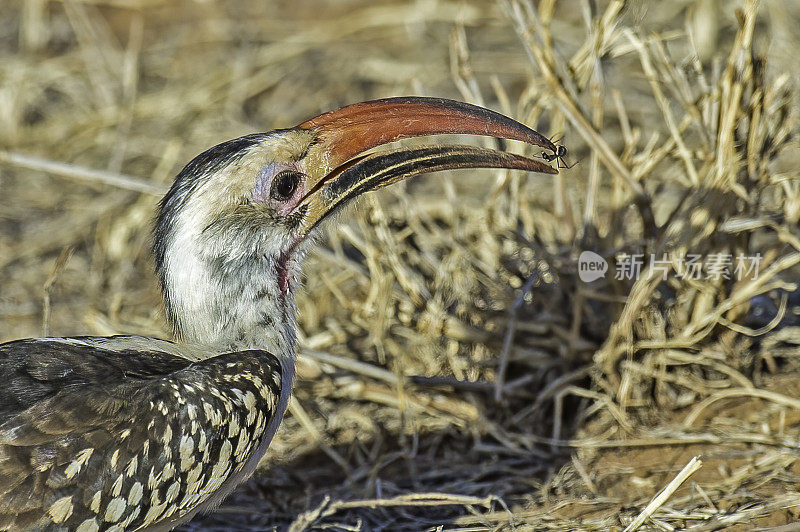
(343, 135)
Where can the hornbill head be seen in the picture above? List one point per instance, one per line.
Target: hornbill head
(246, 208)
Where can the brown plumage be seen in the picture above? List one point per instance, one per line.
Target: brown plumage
(133, 433)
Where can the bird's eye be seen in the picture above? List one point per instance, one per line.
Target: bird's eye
(285, 184)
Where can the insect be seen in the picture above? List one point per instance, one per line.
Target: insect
(558, 156)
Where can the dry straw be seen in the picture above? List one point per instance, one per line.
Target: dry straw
(455, 372)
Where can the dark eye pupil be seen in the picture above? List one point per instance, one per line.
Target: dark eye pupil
(284, 185)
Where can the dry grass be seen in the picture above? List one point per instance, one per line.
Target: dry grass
(455, 372)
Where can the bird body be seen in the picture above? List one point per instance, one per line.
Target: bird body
(132, 433)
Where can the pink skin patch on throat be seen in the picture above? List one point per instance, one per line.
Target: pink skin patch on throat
(285, 277)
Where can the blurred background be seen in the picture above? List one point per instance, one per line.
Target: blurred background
(455, 372)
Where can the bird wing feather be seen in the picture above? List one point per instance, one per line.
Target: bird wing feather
(94, 433)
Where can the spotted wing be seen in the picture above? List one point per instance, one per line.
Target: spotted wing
(93, 439)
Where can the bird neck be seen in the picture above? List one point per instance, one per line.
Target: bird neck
(231, 302)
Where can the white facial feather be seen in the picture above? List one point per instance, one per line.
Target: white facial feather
(221, 260)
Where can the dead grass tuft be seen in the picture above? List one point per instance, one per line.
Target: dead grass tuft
(455, 372)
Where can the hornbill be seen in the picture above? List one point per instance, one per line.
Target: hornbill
(134, 433)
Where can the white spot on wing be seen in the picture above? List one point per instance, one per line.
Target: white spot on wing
(193, 476)
(186, 452)
(241, 446)
(80, 460)
(133, 465)
(95, 504)
(90, 525)
(61, 509)
(169, 472)
(152, 514)
(116, 488)
(135, 494)
(172, 491)
(233, 426)
(153, 480)
(115, 509)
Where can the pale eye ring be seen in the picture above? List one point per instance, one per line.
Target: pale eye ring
(285, 184)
